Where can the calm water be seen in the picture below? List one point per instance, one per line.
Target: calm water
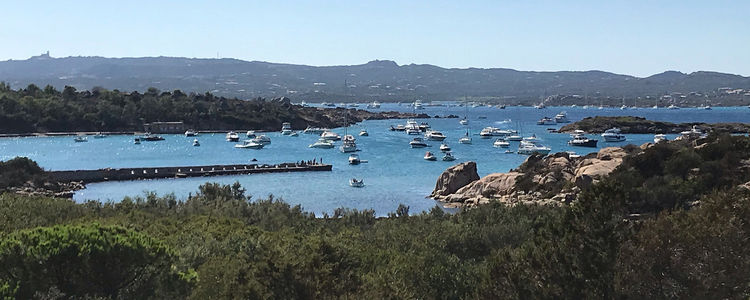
(395, 173)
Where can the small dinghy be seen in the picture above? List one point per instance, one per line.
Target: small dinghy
(356, 183)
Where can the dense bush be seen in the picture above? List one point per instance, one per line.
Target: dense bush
(18, 171)
(692, 243)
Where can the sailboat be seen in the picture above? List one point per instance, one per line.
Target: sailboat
(349, 144)
(466, 139)
(465, 120)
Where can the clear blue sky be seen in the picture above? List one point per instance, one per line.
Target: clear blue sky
(629, 37)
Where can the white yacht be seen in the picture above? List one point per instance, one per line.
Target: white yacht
(466, 139)
(660, 138)
(532, 145)
(501, 143)
(417, 143)
(80, 139)
(322, 144)
(444, 147)
(348, 146)
(613, 135)
(233, 137)
(314, 130)
(581, 140)
(196, 143)
(540, 106)
(374, 104)
(363, 133)
(250, 144)
(354, 159)
(562, 117)
(250, 134)
(99, 135)
(546, 121)
(464, 121)
(330, 135)
(448, 157)
(434, 135)
(514, 138)
(672, 106)
(286, 128)
(190, 132)
(356, 183)
(262, 139)
(294, 133)
(418, 104)
(692, 134)
(429, 156)
(412, 127)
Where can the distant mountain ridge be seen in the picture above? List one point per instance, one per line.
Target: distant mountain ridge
(381, 80)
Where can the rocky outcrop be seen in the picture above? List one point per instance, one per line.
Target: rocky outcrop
(628, 124)
(554, 179)
(454, 178)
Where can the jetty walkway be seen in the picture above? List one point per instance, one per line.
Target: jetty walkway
(88, 176)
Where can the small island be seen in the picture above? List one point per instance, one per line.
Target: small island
(630, 124)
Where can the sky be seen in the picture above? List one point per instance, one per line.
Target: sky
(634, 37)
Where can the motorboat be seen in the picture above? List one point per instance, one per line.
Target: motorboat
(562, 117)
(672, 106)
(354, 159)
(196, 143)
(660, 138)
(190, 132)
(429, 156)
(286, 128)
(532, 145)
(501, 143)
(501, 106)
(508, 151)
(137, 141)
(330, 135)
(314, 130)
(99, 135)
(489, 132)
(303, 104)
(262, 139)
(448, 157)
(613, 135)
(540, 106)
(374, 104)
(573, 154)
(417, 143)
(424, 126)
(692, 134)
(151, 137)
(581, 140)
(466, 139)
(434, 135)
(250, 144)
(294, 133)
(363, 133)
(464, 121)
(356, 183)
(398, 127)
(322, 144)
(418, 104)
(514, 138)
(412, 127)
(444, 147)
(233, 137)
(348, 146)
(546, 121)
(80, 139)
(250, 134)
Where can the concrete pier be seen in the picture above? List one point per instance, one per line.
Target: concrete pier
(88, 176)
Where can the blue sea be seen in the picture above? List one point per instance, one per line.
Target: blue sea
(394, 174)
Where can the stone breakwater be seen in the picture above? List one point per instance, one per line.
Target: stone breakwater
(88, 176)
(554, 179)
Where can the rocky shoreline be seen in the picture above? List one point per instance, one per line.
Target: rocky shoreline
(555, 179)
(629, 124)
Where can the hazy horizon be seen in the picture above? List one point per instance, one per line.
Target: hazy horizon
(638, 38)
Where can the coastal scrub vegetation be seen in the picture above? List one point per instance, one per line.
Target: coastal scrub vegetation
(672, 221)
(34, 109)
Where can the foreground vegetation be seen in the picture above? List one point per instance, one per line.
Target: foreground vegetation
(221, 244)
